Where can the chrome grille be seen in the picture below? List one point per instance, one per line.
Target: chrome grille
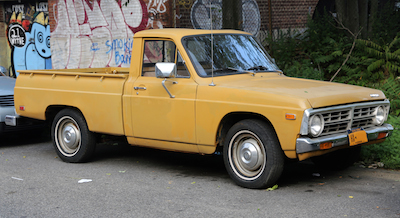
(336, 121)
(363, 116)
(7, 100)
(339, 121)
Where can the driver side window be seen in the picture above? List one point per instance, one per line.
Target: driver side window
(156, 51)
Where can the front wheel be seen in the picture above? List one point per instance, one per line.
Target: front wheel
(72, 139)
(252, 154)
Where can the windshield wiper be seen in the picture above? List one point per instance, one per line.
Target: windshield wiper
(237, 70)
(226, 69)
(258, 68)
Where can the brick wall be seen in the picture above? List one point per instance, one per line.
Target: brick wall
(285, 13)
(52, 21)
(2, 13)
(291, 13)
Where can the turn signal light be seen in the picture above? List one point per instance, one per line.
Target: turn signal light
(325, 145)
(290, 116)
(22, 108)
(382, 135)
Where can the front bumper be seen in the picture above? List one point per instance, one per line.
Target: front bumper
(306, 144)
(14, 123)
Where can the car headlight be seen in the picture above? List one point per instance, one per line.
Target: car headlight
(379, 116)
(316, 125)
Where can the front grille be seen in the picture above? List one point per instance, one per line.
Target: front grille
(343, 119)
(6, 100)
(363, 116)
(336, 121)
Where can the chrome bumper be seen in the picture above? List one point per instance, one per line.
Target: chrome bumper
(306, 144)
(11, 120)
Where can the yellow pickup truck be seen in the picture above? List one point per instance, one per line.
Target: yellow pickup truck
(203, 91)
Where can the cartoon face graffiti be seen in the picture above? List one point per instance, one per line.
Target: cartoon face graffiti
(28, 35)
(41, 36)
(35, 52)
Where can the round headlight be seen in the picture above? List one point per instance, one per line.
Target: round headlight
(379, 116)
(316, 125)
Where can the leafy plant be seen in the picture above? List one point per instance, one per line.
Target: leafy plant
(391, 88)
(303, 69)
(383, 59)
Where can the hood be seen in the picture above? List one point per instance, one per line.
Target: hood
(317, 93)
(7, 85)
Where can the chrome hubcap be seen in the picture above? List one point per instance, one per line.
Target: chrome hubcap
(250, 155)
(247, 155)
(67, 136)
(70, 137)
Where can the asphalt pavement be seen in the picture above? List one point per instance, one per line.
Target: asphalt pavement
(127, 181)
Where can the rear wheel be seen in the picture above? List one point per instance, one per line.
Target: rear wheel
(252, 154)
(71, 137)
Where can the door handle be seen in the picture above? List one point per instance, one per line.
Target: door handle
(138, 87)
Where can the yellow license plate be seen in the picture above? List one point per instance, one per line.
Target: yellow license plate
(357, 137)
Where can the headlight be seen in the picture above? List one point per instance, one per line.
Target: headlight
(379, 116)
(316, 125)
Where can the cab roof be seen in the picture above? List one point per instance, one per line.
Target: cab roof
(181, 32)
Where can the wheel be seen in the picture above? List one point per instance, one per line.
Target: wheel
(72, 139)
(252, 154)
(338, 160)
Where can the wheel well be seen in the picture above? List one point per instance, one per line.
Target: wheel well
(53, 110)
(231, 119)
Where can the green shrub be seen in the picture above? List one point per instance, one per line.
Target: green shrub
(391, 88)
(321, 51)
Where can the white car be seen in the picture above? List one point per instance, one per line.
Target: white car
(6, 99)
(7, 106)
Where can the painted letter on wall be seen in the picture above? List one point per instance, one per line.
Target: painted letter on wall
(91, 34)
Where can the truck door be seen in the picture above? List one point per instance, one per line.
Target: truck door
(156, 113)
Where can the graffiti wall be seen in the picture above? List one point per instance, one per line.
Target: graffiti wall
(99, 33)
(94, 33)
(28, 35)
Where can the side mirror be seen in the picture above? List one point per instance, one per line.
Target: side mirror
(3, 71)
(165, 70)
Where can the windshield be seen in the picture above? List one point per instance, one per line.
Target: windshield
(232, 54)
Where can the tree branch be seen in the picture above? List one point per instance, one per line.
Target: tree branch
(347, 58)
(352, 47)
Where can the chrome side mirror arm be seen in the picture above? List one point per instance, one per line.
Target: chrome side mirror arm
(166, 89)
(166, 70)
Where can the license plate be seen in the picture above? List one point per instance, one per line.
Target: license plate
(357, 136)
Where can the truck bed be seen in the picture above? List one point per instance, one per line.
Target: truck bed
(97, 92)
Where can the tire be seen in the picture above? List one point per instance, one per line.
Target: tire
(252, 154)
(337, 160)
(73, 141)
